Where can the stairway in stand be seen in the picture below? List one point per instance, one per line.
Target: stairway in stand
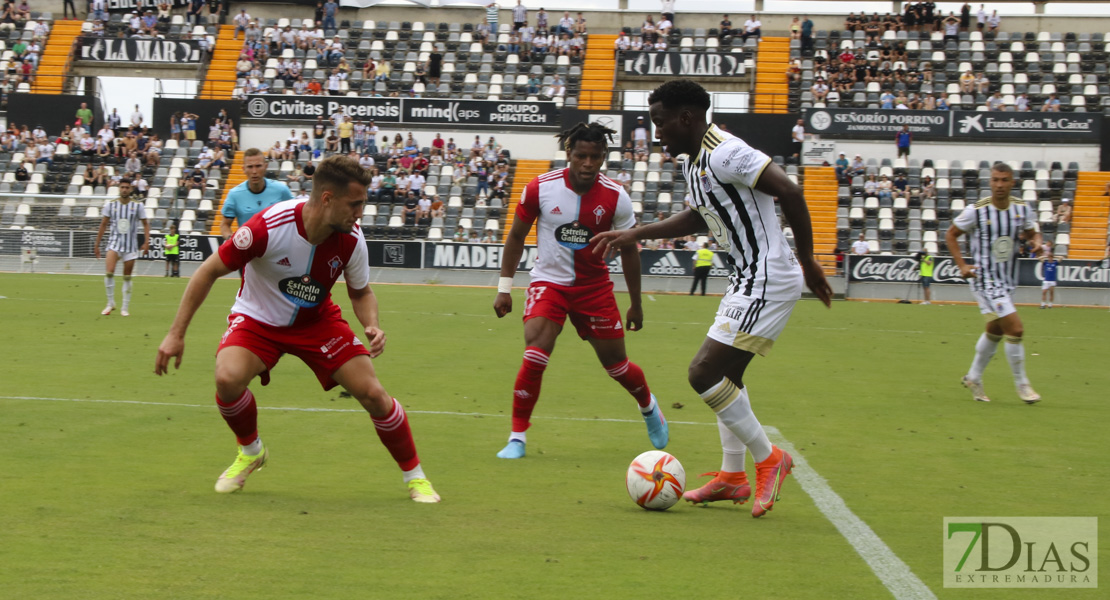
(1088, 216)
(50, 78)
(820, 193)
(219, 83)
(771, 88)
(597, 72)
(526, 171)
(235, 176)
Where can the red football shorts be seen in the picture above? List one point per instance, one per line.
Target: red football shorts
(324, 345)
(593, 309)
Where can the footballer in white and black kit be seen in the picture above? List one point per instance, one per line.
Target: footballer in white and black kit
(121, 218)
(996, 228)
(732, 188)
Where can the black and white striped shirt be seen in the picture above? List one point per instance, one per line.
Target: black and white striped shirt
(994, 236)
(125, 220)
(721, 183)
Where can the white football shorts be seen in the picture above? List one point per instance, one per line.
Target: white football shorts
(994, 305)
(751, 324)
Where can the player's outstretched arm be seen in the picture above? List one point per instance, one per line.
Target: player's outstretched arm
(774, 181)
(952, 240)
(510, 258)
(365, 305)
(173, 345)
(684, 223)
(630, 262)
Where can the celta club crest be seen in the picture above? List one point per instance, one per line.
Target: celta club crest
(335, 264)
(599, 212)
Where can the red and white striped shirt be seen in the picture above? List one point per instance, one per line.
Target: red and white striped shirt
(567, 221)
(286, 280)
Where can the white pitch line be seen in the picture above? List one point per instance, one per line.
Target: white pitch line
(894, 574)
(891, 571)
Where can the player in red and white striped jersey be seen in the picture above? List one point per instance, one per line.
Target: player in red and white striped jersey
(569, 206)
(291, 255)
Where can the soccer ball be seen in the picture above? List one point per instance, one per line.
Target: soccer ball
(655, 480)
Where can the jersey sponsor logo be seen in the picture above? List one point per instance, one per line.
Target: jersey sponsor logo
(668, 264)
(243, 238)
(572, 235)
(304, 291)
(285, 262)
(334, 265)
(123, 225)
(556, 211)
(599, 212)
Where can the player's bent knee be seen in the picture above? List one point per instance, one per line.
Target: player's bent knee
(701, 377)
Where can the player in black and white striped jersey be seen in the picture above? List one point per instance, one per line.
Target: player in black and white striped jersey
(732, 189)
(124, 216)
(996, 227)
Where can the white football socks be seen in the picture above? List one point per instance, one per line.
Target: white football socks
(733, 451)
(518, 436)
(417, 473)
(110, 288)
(126, 292)
(254, 448)
(650, 407)
(984, 351)
(1015, 353)
(734, 411)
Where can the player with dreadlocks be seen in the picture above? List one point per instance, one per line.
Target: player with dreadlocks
(570, 206)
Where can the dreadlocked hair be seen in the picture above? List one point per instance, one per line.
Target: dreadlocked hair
(585, 132)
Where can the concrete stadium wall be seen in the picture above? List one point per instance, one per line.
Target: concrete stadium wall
(537, 146)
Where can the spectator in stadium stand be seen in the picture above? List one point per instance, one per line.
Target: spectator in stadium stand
(797, 138)
(902, 141)
(858, 167)
(1052, 104)
(807, 35)
(99, 10)
(993, 22)
(752, 27)
(796, 29)
(492, 17)
(726, 26)
(942, 102)
(1063, 212)
(460, 235)
(330, 8)
(860, 246)
(819, 90)
(871, 186)
(667, 10)
(981, 17)
(967, 82)
(928, 188)
(886, 188)
(622, 43)
(541, 22)
(951, 25)
(994, 103)
(965, 17)
(1021, 103)
(520, 15)
(842, 167)
(886, 101)
(196, 7)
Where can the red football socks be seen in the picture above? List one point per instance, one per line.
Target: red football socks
(629, 375)
(395, 434)
(526, 391)
(241, 416)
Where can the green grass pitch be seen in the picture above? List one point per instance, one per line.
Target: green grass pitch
(115, 500)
